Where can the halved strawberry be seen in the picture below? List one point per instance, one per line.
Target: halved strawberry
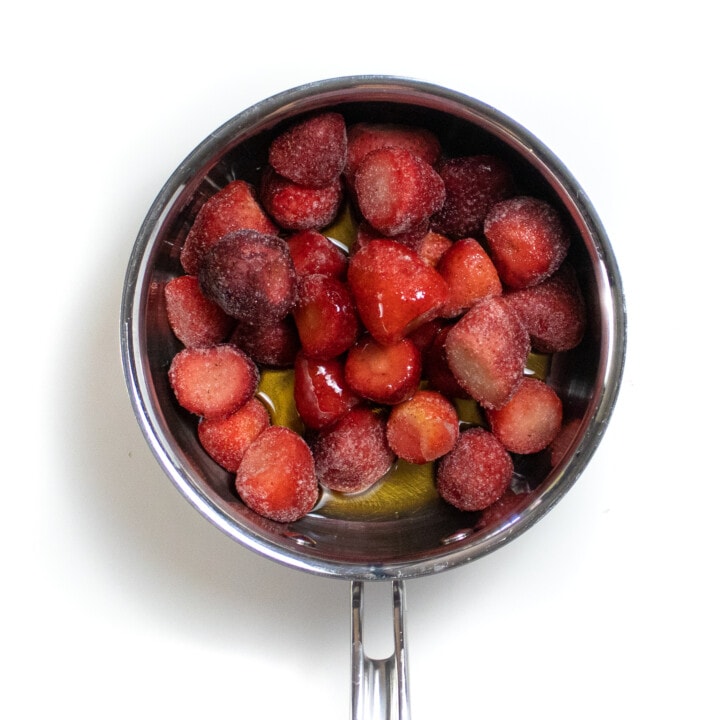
(394, 290)
(213, 382)
(276, 476)
(312, 152)
(234, 207)
(397, 191)
(313, 253)
(195, 319)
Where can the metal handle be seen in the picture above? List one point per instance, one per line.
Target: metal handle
(379, 686)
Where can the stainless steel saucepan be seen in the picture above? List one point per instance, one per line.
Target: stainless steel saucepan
(357, 545)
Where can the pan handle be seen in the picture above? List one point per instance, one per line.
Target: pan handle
(379, 687)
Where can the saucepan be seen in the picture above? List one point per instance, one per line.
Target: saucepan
(401, 534)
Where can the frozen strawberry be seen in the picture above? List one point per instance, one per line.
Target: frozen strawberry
(299, 207)
(196, 320)
(527, 240)
(472, 184)
(563, 440)
(363, 138)
(314, 254)
(250, 276)
(487, 350)
(325, 317)
(424, 335)
(502, 510)
(553, 312)
(273, 343)
(394, 290)
(385, 374)
(353, 454)
(469, 274)
(432, 247)
(423, 428)
(530, 420)
(225, 439)
(321, 394)
(312, 152)
(366, 233)
(476, 472)
(235, 207)
(276, 477)
(213, 382)
(397, 191)
(437, 370)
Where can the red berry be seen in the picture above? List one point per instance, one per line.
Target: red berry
(312, 253)
(274, 343)
(527, 240)
(195, 319)
(213, 382)
(276, 476)
(353, 454)
(395, 291)
(397, 191)
(235, 207)
(325, 317)
(386, 374)
(225, 439)
(487, 350)
(311, 152)
(423, 428)
(476, 472)
(432, 247)
(321, 394)
(437, 370)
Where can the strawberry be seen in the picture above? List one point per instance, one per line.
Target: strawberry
(353, 454)
(476, 472)
(397, 191)
(276, 476)
(250, 276)
(312, 253)
(213, 382)
(195, 320)
(311, 152)
(473, 184)
(394, 290)
(432, 246)
(273, 343)
(385, 374)
(366, 233)
(487, 350)
(225, 439)
(423, 428)
(234, 207)
(299, 207)
(502, 510)
(325, 317)
(321, 394)
(437, 370)
(527, 240)
(469, 274)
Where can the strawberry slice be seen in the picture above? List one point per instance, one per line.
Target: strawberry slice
(213, 382)
(234, 207)
(276, 476)
(311, 152)
(314, 254)
(394, 290)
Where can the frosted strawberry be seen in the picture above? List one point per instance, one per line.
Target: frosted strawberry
(530, 420)
(321, 394)
(195, 319)
(473, 184)
(273, 343)
(353, 454)
(225, 439)
(386, 374)
(432, 247)
(397, 191)
(476, 472)
(276, 476)
(234, 207)
(395, 291)
(325, 317)
(527, 240)
(366, 233)
(299, 207)
(312, 253)
(213, 382)
(250, 276)
(487, 350)
(312, 152)
(423, 428)
(469, 274)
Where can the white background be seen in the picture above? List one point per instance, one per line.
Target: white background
(119, 600)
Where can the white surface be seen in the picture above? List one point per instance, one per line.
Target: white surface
(119, 600)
